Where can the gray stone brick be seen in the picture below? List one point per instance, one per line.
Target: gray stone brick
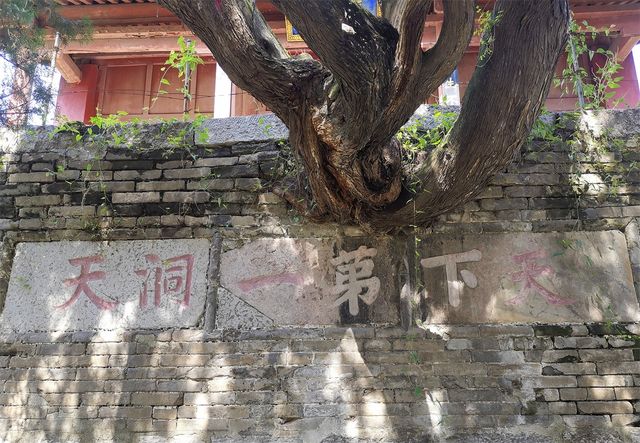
(34, 224)
(186, 173)
(619, 367)
(510, 357)
(248, 170)
(211, 184)
(125, 412)
(96, 175)
(175, 164)
(67, 175)
(580, 342)
(605, 380)
(156, 398)
(136, 197)
(137, 175)
(627, 393)
(550, 394)
(573, 368)
(600, 394)
(31, 177)
(583, 421)
(605, 407)
(552, 381)
(216, 161)
(566, 356)
(624, 420)
(618, 355)
(563, 408)
(573, 394)
(186, 197)
(39, 200)
(170, 185)
(112, 186)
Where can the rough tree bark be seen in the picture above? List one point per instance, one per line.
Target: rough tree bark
(343, 111)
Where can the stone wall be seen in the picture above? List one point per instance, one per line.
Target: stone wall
(258, 349)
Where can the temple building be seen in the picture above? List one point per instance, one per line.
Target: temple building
(121, 67)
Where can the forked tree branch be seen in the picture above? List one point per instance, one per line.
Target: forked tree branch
(415, 80)
(245, 47)
(353, 45)
(502, 101)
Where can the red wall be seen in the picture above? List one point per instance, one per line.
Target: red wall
(131, 85)
(79, 101)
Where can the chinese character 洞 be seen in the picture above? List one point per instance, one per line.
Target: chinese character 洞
(530, 270)
(353, 278)
(171, 277)
(82, 283)
(450, 261)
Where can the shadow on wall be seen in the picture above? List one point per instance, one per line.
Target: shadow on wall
(311, 385)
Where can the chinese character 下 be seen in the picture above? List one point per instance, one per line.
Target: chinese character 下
(171, 277)
(82, 283)
(353, 278)
(450, 262)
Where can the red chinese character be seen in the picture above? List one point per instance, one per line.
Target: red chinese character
(82, 283)
(172, 277)
(530, 271)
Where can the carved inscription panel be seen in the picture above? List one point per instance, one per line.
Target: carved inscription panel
(63, 286)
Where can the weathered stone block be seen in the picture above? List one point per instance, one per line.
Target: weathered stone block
(580, 342)
(156, 398)
(61, 286)
(168, 185)
(605, 380)
(293, 282)
(627, 393)
(137, 175)
(617, 366)
(39, 200)
(135, 197)
(186, 197)
(211, 184)
(216, 161)
(527, 277)
(605, 407)
(601, 394)
(31, 177)
(186, 173)
(563, 408)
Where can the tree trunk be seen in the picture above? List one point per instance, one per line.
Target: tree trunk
(344, 111)
(499, 108)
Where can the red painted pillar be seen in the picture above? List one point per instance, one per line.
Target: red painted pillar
(79, 101)
(629, 89)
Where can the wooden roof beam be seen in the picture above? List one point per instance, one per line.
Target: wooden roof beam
(622, 47)
(68, 69)
(115, 12)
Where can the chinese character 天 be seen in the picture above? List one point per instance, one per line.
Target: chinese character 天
(81, 283)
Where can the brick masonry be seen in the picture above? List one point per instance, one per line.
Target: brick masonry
(364, 383)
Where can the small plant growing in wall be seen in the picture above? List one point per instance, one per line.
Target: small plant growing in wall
(596, 87)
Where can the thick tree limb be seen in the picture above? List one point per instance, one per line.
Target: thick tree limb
(416, 80)
(245, 47)
(343, 114)
(345, 38)
(502, 101)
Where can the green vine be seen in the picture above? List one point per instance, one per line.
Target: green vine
(487, 21)
(596, 87)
